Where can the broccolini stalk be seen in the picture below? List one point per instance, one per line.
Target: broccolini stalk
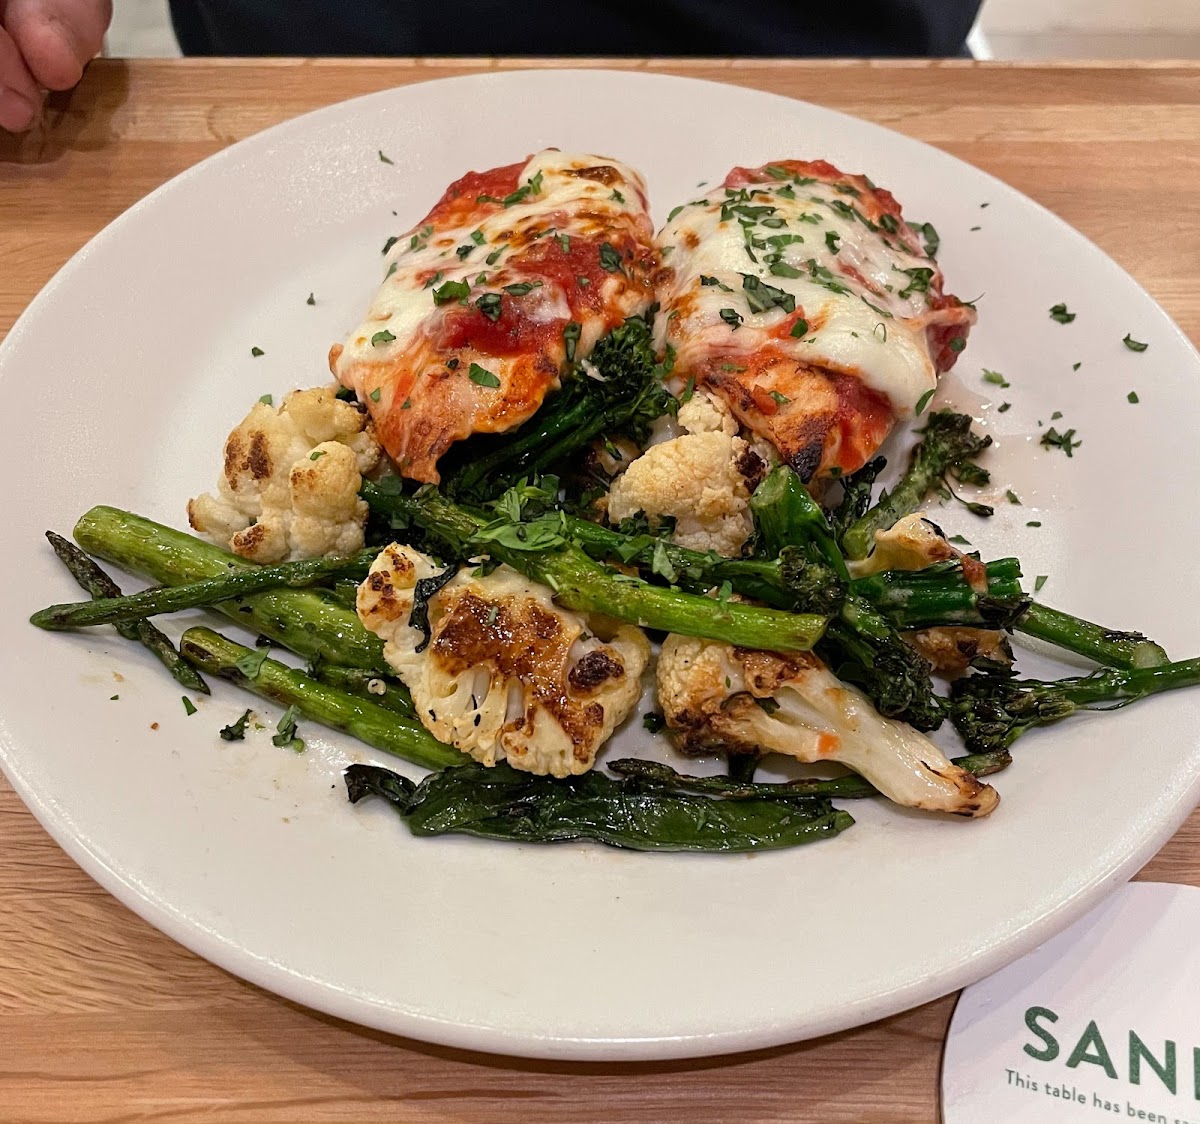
(626, 397)
(100, 585)
(502, 803)
(1104, 645)
(207, 591)
(940, 595)
(992, 711)
(369, 722)
(848, 787)
(948, 443)
(539, 551)
(785, 515)
(300, 619)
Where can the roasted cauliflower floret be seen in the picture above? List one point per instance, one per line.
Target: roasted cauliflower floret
(952, 650)
(911, 543)
(290, 485)
(506, 674)
(718, 698)
(705, 413)
(701, 480)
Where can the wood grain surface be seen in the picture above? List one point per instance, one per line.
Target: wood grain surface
(103, 1018)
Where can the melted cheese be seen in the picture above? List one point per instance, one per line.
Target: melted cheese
(866, 317)
(565, 205)
(487, 299)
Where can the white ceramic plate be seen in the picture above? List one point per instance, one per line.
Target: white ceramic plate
(122, 379)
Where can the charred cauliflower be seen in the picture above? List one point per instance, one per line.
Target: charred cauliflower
(702, 480)
(718, 698)
(290, 484)
(503, 673)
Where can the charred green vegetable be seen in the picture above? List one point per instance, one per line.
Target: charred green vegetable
(501, 803)
(992, 711)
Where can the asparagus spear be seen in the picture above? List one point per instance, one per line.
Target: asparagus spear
(300, 619)
(1104, 645)
(101, 586)
(368, 721)
(539, 552)
(207, 591)
(501, 803)
(356, 681)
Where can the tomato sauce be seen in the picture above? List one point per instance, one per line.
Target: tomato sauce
(461, 200)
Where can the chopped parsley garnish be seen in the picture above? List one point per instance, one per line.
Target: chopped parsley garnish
(391, 269)
(660, 562)
(675, 211)
(406, 404)
(235, 731)
(571, 333)
(382, 337)
(267, 400)
(1133, 344)
(531, 187)
(582, 282)
(256, 352)
(706, 280)
(1132, 397)
(489, 305)
(188, 706)
(809, 217)
(924, 401)
(1076, 366)
(482, 377)
(832, 240)
(689, 390)
(1034, 523)
(732, 317)
(1065, 441)
(391, 242)
(1003, 407)
(316, 454)
(522, 287)
(782, 269)
(918, 280)
(799, 329)
(1040, 581)
(824, 278)
(930, 235)
(1059, 312)
(617, 196)
(477, 237)
(433, 280)
(768, 705)
(975, 228)
(251, 663)
(1012, 496)
(464, 251)
(889, 223)
(286, 735)
(311, 299)
(374, 395)
(781, 399)
(481, 279)
(995, 378)
(763, 297)
(384, 159)
(959, 540)
(1056, 415)
(881, 311)
(452, 364)
(494, 256)
(653, 722)
(451, 291)
(610, 258)
(957, 343)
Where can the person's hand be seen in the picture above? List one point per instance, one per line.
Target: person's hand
(44, 45)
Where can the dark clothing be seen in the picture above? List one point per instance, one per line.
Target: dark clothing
(574, 27)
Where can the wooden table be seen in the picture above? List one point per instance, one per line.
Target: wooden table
(102, 1017)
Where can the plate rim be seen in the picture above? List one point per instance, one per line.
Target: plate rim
(279, 979)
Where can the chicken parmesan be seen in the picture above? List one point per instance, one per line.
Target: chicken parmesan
(800, 296)
(516, 273)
